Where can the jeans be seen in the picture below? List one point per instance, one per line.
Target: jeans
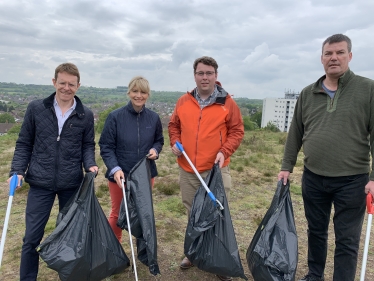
(38, 209)
(347, 193)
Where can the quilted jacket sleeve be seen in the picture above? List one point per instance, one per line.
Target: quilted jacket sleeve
(24, 144)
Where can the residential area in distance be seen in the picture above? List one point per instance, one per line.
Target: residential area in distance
(14, 99)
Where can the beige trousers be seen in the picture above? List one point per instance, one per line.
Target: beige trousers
(189, 183)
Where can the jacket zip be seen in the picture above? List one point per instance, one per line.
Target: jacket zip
(198, 126)
(197, 135)
(137, 122)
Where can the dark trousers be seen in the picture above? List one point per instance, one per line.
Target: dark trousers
(348, 196)
(38, 209)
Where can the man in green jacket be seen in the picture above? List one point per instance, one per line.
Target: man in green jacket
(334, 122)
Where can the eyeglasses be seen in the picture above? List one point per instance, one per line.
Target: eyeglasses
(63, 85)
(208, 73)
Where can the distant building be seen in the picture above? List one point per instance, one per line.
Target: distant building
(279, 111)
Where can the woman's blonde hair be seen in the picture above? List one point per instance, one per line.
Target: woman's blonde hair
(141, 83)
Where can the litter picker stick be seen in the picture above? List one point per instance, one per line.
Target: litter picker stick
(13, 185)
(129, 228)
(211, 195)
(370, 210)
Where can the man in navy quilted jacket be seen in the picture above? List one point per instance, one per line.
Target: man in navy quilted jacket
(55, 144)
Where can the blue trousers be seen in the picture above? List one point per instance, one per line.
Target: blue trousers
(348, 196)
(38, 209)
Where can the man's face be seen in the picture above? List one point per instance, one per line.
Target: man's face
(205, 78)
(66, 86)
(335, 59)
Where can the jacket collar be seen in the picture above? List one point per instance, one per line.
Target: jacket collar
(131, 108)
(343, 80)
(221, 96)
(48, 103)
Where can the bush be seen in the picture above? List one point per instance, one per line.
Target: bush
(15, 129)
(7, 118)
(103, 115)
(271, 127)
(248, 124)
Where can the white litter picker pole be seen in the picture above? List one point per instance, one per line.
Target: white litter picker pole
(211, 195)
(370, 210)
(129, 229)
(13, 185)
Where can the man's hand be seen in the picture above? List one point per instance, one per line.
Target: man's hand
(220, 158)
(94, 169)
(176, 151)
(369, 187)
(20, 178)
(284, 175)
(118, 176)
(152, 154)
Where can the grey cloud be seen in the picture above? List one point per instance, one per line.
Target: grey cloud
(262, 47)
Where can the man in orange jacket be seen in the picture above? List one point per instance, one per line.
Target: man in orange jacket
(209, 125)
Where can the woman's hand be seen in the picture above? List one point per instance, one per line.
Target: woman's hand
(152, 154)
(118, 176)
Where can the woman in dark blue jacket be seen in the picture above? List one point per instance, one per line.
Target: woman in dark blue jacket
(129, 133)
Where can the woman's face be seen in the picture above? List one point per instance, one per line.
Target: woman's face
(138, 98)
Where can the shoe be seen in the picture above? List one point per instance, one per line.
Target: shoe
(186, 264)
(310, 277)
(224, 278)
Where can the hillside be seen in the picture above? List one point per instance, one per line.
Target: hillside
(100, 99)
(254, 168)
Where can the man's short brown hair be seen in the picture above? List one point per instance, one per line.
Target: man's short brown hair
(68, 68)
(337, 38)
(207, 61)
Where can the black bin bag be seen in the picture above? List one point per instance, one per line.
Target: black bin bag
(210, 242)
(83, 245)
(273, 252)
(138, 194)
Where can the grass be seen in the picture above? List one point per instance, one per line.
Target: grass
(254, 168)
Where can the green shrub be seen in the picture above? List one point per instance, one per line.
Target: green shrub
(248, 124)
(271, 127)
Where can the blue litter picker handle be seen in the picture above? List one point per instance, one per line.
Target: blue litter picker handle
(12, 188)
(13, 184)
(211, 195)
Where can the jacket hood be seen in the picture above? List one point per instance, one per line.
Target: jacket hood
(222, 94)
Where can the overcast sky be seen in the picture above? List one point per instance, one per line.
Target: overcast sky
(263, 47)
